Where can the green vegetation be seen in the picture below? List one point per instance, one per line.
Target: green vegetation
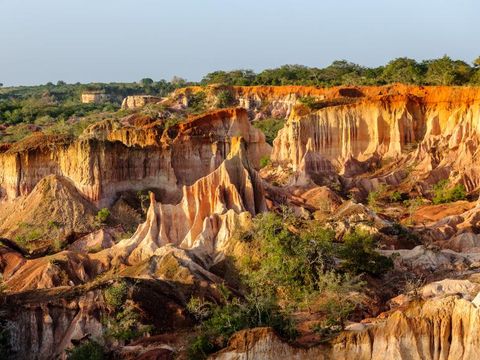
(443, 193)
(125, 325)
(374, 196)
(144, 199)
(443, 71)
(102, 216)
(396, 196)
(289, 265)
(270, 127)
(116, 295)
(89, 350)
(196, 102)
(27, 234)
(57, 109)
(225, 99)
(123, 322)
(359, 255)
(412, 206)
(265, 161)
(219, 322)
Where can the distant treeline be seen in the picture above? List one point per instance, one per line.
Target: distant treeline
(443, 71)
(26, 104)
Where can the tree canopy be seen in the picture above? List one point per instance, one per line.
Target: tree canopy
(442, 71)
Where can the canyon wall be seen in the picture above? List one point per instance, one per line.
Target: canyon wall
(433, 132)
(105, 161)
(438, 329)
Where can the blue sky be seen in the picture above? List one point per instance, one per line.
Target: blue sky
(120, 40)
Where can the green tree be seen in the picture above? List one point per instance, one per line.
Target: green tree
(403, 70)
(445, 71)
(146, 82)
(178, 81)
(270, 127)
(225, 99)
(359, 254)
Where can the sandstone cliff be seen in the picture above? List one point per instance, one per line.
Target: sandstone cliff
(137, 101)
(205, 218)
(204, 221)
(441, 124)
(106, 161)
(446, 328)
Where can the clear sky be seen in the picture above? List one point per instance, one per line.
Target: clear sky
(126, 40)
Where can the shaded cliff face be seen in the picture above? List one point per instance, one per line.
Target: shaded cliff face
(106, 160)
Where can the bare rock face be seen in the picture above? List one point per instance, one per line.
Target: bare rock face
(53, 210)
(203, 222)
(95, 97)
(430, 133)
(107, 160)
(443, 328)
(43, 330)
(210, 211)
(263, 343)
(137, 101)
(443, 121)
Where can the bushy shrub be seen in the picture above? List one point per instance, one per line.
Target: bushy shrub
(125, 325)
(116, 295)
(196, 102)
(89, 350)
(225, 99)
(443, 193)
(288, 264)
(102, 216)
(375, 196)
(270, 127)
(221, 321)
(359, 254)
(396, 196)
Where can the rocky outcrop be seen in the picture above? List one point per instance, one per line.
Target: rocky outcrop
(43, 330)
(95, 97)
(203, 222)
(355, 129)
(441, 123)
(138, 101)
(445, 328)
(112, 158)
(441, 328)
(53, 211)
(263, 343)
(205, 219)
